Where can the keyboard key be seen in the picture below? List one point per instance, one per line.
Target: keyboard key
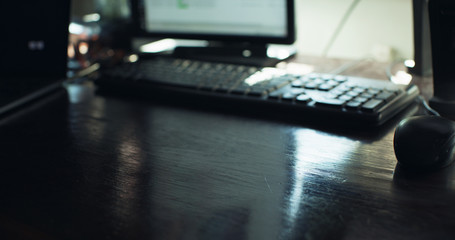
(344, 88)
(353, 105)
(352, 93)
(333, 103)
(297, 84)
(372, 105)
(359, 90)
(302, 98)
(373, 91)
(366, 95)
(361, 99)
(333, 83)
(387, 96)
(296, 91)
(311, 85)
(345, 98)
(337, 92)
(324, 87)
(319, 81)
(288, 96)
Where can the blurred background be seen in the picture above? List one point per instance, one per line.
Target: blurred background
(381, 29)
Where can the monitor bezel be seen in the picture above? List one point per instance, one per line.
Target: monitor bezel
(288, 39)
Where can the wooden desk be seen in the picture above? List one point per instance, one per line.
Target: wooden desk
(100, 167)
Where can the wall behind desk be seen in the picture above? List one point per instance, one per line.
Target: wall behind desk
(374, 27)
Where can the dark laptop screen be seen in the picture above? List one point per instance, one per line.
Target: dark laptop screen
(33, 48)
(34, 38)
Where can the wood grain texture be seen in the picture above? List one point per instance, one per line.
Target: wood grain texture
(102, 167)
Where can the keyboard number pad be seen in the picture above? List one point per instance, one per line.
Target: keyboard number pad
(329, 91)
(365, 99)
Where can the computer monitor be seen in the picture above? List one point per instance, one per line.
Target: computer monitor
(255, 23)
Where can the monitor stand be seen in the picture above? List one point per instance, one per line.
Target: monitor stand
(247, 54)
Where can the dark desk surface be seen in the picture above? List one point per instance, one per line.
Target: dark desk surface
(104, 167)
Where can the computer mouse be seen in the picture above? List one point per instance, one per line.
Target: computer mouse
(424, 142)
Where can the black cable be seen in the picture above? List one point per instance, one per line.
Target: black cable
(427, 107)
(419, 98)
(340, 26)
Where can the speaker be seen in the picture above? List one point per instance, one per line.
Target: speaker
(422, 42)
(442, 29)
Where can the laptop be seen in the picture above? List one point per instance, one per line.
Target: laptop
(33, 49)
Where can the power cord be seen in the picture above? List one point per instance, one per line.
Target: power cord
(340, 26)
(427, 107)
(345, 67)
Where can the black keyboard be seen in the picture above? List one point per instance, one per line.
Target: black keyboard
(344, 98)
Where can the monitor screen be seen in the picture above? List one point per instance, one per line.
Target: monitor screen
(257, 21)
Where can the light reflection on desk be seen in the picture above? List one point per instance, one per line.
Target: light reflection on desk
(78, 93)
(311, 162)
